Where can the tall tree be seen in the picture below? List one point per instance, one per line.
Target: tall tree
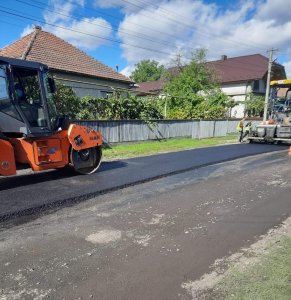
(188, 86)
(147, 70)
(192, 81)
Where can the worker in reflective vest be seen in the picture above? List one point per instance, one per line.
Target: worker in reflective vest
(240, 130)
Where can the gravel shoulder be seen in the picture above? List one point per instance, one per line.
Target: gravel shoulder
(260, 271)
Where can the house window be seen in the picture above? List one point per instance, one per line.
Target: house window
(106, 94)
(256, 85)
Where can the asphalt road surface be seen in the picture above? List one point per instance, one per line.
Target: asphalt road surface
(147, 241)
(30, 194)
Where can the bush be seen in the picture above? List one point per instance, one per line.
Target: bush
(206, 110)
(66, 100)
(118, 108)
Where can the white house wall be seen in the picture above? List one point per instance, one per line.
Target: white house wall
(236, 89)
(238, 92)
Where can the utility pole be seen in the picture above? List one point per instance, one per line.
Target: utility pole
(270, 51)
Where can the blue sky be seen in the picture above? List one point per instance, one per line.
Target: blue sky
(123, 32)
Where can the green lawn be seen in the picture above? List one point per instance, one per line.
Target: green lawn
(268, 279)
(154, 147)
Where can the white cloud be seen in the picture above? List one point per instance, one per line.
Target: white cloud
(127, 70)
(158, 30)
(179, 26)
(97, 33)
(183, 25)
(86, 33)
(129, 6)
(58, 11)
(277, 11)
(287, 66)
(27, 30)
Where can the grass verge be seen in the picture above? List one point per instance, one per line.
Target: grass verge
(162, 146)
(268, 278)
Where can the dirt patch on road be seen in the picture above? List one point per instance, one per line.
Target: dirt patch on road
(247, 257)
(104, 237)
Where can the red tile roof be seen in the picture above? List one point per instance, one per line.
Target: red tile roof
(242, 68)
(46, 48)
(149, 87)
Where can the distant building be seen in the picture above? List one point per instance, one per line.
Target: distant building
(69, 65)
(149, 88)
(237, 76)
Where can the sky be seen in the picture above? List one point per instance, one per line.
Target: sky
(124, 32)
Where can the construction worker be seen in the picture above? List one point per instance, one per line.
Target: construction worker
(247, 129)
(240, 130)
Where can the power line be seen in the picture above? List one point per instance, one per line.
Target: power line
(77, 31)
(144, 48)
(9, 23)
(240, 65)
(199, 31)
(146, 37)
(83, 33)
(114, 17)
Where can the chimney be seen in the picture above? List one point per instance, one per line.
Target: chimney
(37, 28)
(223, 57)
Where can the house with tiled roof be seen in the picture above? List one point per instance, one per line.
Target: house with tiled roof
(69, 65)
(237, 76)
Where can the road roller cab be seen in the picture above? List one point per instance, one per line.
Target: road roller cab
(32, 132)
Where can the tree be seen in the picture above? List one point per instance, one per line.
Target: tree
(188, 86)
(218, 98)
(254, 105)
(147, 70)
(192, 81)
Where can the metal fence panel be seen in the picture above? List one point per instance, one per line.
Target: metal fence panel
(206, 129)
(195, 129)
(109, 130)
(138, 130)
(220, 128)
(157, 130)
(231, 126)
(180, 129)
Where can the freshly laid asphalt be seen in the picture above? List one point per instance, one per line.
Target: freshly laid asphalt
(26, 194)
(156, 240)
